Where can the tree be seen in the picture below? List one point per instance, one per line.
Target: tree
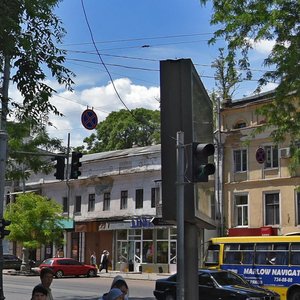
(35, 221)
(246, 22)
(26, 148)
(125, 129)
(29, 33)
(226, 75)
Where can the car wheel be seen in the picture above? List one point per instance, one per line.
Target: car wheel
(169, 297)
(91, 273)
(295, 295)
(59, 274)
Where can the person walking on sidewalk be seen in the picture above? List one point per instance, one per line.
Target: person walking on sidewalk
(39, 293)
(93, 259)
(104, 261)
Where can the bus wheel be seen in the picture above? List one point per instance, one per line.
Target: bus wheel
(295, 295)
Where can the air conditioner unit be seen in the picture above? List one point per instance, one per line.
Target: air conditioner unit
(284, 152)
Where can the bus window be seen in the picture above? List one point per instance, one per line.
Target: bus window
(295, 254)
(280, 254)
(262, 253)
(232, 254)
(212, 255)
(247, 251)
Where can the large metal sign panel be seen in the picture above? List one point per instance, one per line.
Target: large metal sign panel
(185, 106)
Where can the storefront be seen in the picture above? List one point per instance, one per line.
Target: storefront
(146, 248)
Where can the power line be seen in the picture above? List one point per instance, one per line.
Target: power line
(99, 55)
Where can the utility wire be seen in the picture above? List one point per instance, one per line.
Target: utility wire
(99, 55)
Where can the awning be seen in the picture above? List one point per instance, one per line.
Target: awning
(67, 224)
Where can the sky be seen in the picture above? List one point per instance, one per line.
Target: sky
(131, 37)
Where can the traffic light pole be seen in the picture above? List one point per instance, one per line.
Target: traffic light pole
(180, 215)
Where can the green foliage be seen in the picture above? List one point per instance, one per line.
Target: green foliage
(29, 33)
(124, 129)
(25, 146)
(35, 220)
(244, 22)
(226, 75)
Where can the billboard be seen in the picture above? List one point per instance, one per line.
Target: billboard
(186, 107)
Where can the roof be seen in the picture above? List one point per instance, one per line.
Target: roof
(135, 151)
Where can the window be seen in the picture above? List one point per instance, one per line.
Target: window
(106, 201)
(91, 204)
(153, 197)
(240, 160)
(241, 210)
(65, 204)
(298, 207)
(139, 195)
(78, 204)
(271, 157)
(272, 209)
(124, 199)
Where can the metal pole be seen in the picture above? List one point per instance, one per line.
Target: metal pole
(3, 154)
(180, 215)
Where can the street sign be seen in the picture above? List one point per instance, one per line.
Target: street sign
(260, 155)
(89, 119)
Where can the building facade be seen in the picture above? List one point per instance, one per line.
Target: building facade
(260, 194)
(111, 207)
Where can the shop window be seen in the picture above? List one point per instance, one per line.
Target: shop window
(271, 157)
(148, 251)
(139, 195)
(91, 204)
(240, 160)
(124, 199)
(106, 201)
(122, 234)
(78, 204)
(162, 234)
(272, 209)
(148, 234)
(162, 252)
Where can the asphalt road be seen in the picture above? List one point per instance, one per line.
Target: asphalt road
(20, 288)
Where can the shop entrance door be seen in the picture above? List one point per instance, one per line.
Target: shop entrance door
(134, 256)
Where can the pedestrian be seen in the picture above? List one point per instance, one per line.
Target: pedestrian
(39, 293)
(115, 294)
(46, 276)
(120, 283)
(104, 261)
(93, 259)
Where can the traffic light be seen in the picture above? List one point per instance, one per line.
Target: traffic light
(3, 231)
(75, 165)
(200, 166)
(60, 167)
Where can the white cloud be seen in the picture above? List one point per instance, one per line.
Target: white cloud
(262, 46)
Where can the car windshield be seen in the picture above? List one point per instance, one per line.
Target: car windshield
(47, 262)
(227, 278)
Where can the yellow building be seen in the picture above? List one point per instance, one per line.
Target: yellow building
(259, 194)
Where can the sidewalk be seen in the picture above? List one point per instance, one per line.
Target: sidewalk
(110, 274)
(134, 275)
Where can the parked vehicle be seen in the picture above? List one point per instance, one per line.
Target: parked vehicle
(11, 261)
(68, 267)
(216, 285)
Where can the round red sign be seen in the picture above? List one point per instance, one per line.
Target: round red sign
(89, 119)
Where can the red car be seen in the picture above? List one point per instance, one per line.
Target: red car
(68, 267)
